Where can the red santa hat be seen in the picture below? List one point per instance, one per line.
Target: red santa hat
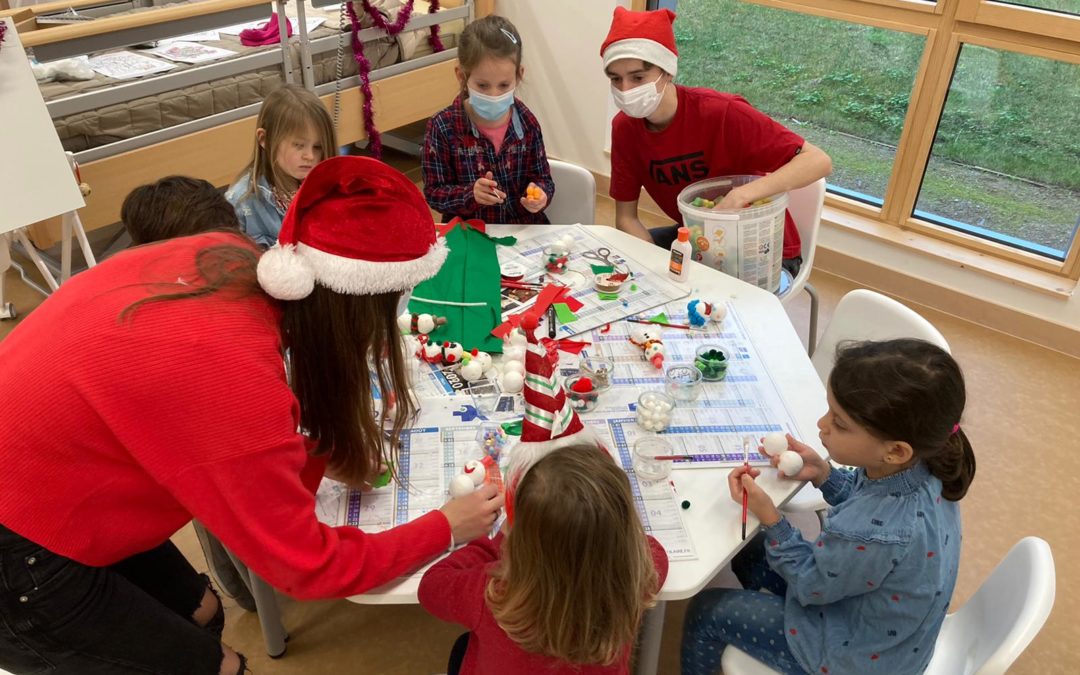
(356, 226)
(550, 421)
(642, 35)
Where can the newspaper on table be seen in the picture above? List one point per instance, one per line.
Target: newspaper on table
(124, 65)
(709, 430)
(643, 291)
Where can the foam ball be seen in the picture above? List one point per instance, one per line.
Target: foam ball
(476, 472)
(513, 382)
(404, 323)
(514, 353)
(485, 360)
(452, 352)
(471, 371)
(461, 486)
(513, 367)
(719, 311)
(775, 443)
(790, 463)
(567, 241)
(425, 323)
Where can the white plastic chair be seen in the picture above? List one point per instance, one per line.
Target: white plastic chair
(990, 631)
(575, 194)
(805, 204)
(860, 315)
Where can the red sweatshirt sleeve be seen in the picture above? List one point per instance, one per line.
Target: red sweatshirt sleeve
(224, 444)
(453, 588)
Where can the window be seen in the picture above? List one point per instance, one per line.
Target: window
(955, 119)
(844, 87)
(1004, 164)
(1065, 6)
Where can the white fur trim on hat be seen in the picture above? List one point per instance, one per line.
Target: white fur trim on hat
(366, 277)
(285, 274)
(527, 453)
(644, 49)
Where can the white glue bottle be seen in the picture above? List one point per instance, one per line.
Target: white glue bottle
(681, 252)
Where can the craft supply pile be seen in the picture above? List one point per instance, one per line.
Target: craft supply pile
(653, 370)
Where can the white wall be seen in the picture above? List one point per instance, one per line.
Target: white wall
(565, 86)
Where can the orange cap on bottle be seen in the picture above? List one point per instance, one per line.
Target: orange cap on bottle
(684, 234)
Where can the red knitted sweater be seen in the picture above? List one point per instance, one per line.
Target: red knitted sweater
(117, 432)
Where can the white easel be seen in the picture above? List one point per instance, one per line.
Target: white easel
(37, 178)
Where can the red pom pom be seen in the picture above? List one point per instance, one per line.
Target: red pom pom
(530, 321)
(583, 386)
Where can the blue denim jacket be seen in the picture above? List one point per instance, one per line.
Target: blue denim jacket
(870, 594)
(258, 212)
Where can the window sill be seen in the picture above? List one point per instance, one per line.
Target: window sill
(949, 253)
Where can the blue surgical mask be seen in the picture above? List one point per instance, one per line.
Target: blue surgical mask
(490, 107)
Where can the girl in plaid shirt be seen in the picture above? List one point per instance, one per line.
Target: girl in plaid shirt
(484, 154)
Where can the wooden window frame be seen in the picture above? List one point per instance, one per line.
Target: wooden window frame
(947, 25)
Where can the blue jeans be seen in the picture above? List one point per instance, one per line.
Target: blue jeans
(748, 619)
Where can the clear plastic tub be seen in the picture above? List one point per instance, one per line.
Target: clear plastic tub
(745, 243)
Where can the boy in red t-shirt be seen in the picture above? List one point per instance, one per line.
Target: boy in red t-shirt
(668, 136)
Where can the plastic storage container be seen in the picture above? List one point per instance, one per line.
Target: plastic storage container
(745, 243)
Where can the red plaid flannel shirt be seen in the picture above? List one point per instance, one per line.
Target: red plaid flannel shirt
(456, 155)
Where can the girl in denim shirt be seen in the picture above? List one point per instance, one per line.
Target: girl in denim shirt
(294, 134)
(870, 593)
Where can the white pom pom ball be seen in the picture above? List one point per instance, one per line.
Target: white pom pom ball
(719, 311)
(513, 382)
(774, 443)
(513, 353)
(513, 367)
(790, 463)
(461, 486)
(404, 323)
(517, 338)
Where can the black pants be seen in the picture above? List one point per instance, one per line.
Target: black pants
(665, 236)
(59, 616)
(457, 654)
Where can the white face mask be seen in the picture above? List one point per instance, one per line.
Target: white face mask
(641, 101)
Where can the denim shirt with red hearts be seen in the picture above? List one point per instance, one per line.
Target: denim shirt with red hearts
(870, 593)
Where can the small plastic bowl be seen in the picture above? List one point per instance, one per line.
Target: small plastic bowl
(600, 370)
(712, 361)
(654, 410)
(485, 396)
(556, 257)
(683, 382)
(646, 450)
(580, 401)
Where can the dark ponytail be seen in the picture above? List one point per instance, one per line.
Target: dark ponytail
(912, 391)
(954, 466)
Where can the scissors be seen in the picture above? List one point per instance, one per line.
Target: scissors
(603, 256)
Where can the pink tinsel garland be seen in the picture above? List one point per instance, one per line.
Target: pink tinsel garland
(364, 66)
(3, 29)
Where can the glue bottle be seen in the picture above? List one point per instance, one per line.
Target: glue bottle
(681, 252)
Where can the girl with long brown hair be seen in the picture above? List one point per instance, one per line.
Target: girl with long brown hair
(160, 374)
(566, 587)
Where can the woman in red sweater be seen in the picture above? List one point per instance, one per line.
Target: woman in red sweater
(150, 390)
(565, 589)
